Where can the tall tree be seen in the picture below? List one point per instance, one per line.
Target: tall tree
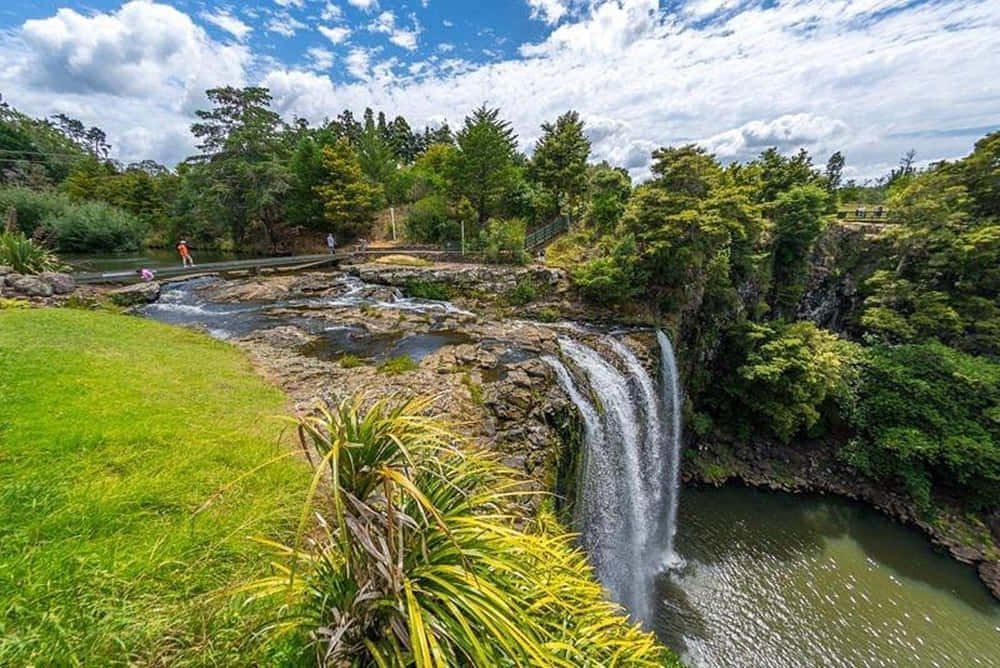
(834, 171)
(349, 200)
(403, 141)
(560, 161)
(798, 219)
(484, 165)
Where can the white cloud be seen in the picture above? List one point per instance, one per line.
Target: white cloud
(385, 23)
(336, 34)
(788, 133)
(321, 59)
(285, 25)
(331, 12)
(364, 5)
(359, 63)
(290, 3)
(229, 23)
(549, 11)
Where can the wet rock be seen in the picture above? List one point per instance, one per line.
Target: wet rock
(989, 573)
(62, 284)
(136, 295)
(30, 286)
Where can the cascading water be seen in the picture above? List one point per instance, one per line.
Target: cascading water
(669, 379)
(627, 494)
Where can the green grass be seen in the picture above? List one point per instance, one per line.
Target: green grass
(351, 361)
(114, 431)
(397, 365)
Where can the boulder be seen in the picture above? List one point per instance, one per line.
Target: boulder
(62, 284)
(11, 278)
(4, 270)
(136, 295)
(31, 286)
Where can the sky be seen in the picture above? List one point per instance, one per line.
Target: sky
(871, 78)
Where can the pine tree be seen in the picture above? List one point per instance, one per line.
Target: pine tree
(349, 200)
(560, 160)
(484, 168)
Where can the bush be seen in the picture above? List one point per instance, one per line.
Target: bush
(790, 371)
(428, 290)
(429, 221)
(397, 365)
(24, 255)
(94, 227)
(612, 278)
(523, 293)
(32, 206)
(416, 560)
(503, 241)
(350, 361)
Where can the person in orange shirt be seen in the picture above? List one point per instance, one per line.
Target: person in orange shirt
(182, 248)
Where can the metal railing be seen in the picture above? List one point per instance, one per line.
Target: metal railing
(543, 234)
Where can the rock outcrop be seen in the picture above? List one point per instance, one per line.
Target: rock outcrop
(136, 294)
(35, 286)
(491, 279)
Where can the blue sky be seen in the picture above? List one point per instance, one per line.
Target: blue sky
(872, 78)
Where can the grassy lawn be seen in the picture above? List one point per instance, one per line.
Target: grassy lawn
(113, 432)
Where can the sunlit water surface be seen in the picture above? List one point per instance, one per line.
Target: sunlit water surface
(781, 580)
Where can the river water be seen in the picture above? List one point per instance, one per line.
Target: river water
(776, 579)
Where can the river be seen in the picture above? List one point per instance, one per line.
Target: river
(148, 258)
(775, 579)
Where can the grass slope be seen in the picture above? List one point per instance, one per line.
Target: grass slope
(113, 432)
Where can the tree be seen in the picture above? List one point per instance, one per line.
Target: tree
(779, 173)
(797, 215)
(834, 171)
(240, 124)
(484, 165)
(402, 140)
(560, 161)
(609, 190)
(349, 200)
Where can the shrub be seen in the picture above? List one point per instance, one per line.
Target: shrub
(397, 365)
(351, 361)
(523, 293)
(32, 206)
(503, 241)
(416, 560)
(612, 278)
(428, 290)
(24, 255)
(429, 221)
(94, 226)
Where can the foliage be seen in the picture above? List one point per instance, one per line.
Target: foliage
(559, 163)
(31, 207)
(941, 276)
(789, 372)
(609, 190)
(349, 201)
(351, 362)
(483, 168)
(929, 416)
(122, 504)
(93, 227)
(430, 220)
(24, 255)
(611, 278)
(503, 241)
(415, 560)
(523, 293)
(422, 289)
(395, 366)
(797, 215)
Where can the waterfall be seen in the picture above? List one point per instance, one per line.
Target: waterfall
(671, 390)
(626, 498)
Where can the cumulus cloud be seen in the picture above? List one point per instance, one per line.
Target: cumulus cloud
(336, 34)
(229, 23)
(364, 5)
(385, 23)
(787, 133)
(320, 59)
(549, 11)
(285, 24)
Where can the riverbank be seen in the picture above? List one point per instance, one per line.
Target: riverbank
(810, 467)
(123, 513)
